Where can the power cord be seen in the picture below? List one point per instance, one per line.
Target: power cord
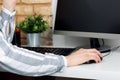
(114, 48)
(106, 54)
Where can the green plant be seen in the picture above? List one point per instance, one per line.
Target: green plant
(33, 24)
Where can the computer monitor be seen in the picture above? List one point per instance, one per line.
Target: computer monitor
(88, 18)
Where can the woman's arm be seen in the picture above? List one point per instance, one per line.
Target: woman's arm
(22, 61)
(29, 63)
(9, 4)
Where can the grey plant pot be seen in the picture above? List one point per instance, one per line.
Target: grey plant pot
(33, 39)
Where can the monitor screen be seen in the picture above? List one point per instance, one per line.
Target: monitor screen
(88, 18)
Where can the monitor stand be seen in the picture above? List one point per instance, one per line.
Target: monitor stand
(94, 43)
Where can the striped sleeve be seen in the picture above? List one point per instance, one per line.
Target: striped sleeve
(24, 62)
(29, 63)
(5, 15)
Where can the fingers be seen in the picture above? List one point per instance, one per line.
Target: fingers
(92, 54)
(95, 57)
(95, 51)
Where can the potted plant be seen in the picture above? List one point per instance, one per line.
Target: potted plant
(33, 25)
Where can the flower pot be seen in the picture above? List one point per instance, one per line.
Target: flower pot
(33, 39)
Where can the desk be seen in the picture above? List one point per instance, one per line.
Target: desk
(108, 69)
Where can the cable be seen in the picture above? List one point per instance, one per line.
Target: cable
(103, 42)
(114, 48)
(107, 54)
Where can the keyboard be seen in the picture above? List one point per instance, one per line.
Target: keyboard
(54, 50)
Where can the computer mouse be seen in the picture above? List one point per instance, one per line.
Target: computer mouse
(92, 61)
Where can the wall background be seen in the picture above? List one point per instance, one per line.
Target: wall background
(25, 8)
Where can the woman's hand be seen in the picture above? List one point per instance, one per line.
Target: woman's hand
(83, 55)
(9, 4)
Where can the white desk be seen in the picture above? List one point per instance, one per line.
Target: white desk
(108, 69)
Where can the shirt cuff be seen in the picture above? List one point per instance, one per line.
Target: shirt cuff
(65, 61)
(8, 12)
(65, 64)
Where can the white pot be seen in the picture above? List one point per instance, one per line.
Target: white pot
(33, 39)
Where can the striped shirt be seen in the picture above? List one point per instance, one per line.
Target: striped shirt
(22, 61)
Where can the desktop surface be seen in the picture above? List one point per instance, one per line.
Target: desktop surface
(108, 69)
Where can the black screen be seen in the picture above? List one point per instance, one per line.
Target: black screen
(101, 16)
